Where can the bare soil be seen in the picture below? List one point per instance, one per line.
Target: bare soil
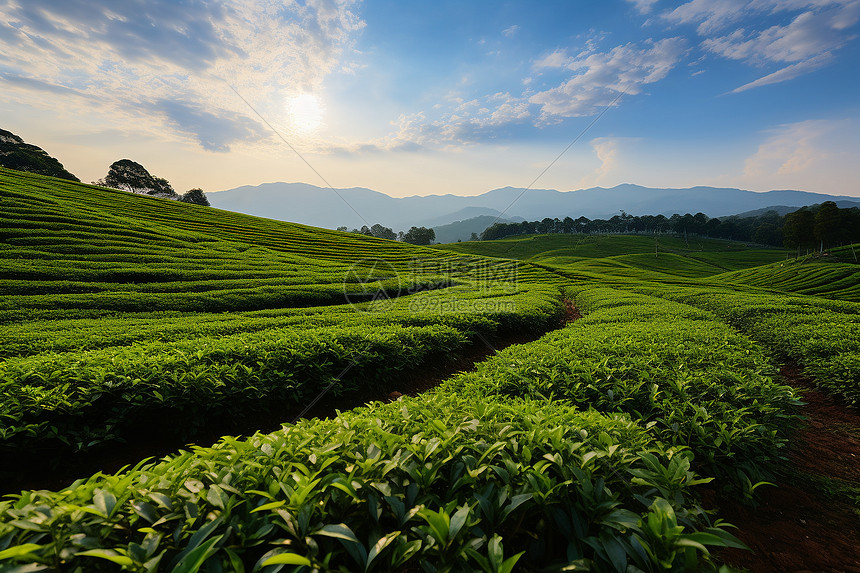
(810, 522)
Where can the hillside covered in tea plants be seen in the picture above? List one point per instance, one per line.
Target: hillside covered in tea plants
(645, 388)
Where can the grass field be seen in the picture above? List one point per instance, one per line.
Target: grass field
(595, 446)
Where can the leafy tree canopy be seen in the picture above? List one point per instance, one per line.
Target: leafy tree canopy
(131, 176)
(195, 196)
(21, 156)
(419, 236)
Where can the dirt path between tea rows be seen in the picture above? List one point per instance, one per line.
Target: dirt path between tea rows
(810, 522)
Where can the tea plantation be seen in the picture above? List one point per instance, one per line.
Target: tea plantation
(589, 449)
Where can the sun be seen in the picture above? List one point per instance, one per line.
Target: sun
(306, 112)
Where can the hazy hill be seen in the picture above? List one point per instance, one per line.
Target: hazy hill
(15, 153)
(312, 205)
(462, 230)
(783, 210)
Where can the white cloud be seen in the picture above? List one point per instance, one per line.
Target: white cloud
(786, 73)
(556, 59)
(600, 77)
(487, 119)
(510, 31)
(643, 6)
(161, 66)
(807, 36)
(709, 15)
(790, 149)
(812, 155)
(607, 151)
(595, 80)
(806, 43)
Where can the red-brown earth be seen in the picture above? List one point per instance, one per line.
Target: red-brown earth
(810, 522)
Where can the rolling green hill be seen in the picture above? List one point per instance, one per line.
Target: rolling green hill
(613, 254)
(105, 293)
(124, 318)
(803, 276)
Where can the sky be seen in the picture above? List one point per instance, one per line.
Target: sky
(418, 98)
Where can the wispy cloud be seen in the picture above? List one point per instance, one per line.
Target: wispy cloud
(214, 132)
(805, 43)
(599, 77)
(159, 64)
(708, 15)
(643, 6)
(593, 80)
(789, 149)
(787, 73)
(510, 31)
(493, 118)
(807, 36)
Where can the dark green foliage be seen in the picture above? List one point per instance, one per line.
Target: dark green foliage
(579, 450)
(441, 482)
(15, 154)
(419, 236)
(827, 224)
(376, 230)
(84, 399)
(381, 232)
(131, 176)
(195, 196)
(822, 335)
(679, 371)
(799, 229)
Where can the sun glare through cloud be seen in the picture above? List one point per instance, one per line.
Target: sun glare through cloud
(306, 113)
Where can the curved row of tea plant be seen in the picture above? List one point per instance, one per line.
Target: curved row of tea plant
(680, 371)
(823, 335)
(804, 276)
(443, 481)
(83, 398)
(529, 307)
(440, 481)
(117, 305)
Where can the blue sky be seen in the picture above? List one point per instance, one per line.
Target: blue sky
(442, 97)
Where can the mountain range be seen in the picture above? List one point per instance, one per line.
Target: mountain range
(357, 206)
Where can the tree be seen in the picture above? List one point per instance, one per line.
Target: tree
(344, 229)
(382, 232)
(850, 225)
(767, 234)
(547, 225)
(419, 236)
(568, 225)
(827, 224)
(16, 154)
(799, 229)
(195, 196)
(131, 176)
(474, 237)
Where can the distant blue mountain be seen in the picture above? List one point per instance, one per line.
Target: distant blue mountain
(322, 207)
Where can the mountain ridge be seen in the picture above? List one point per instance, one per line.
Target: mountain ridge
(356, 206)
